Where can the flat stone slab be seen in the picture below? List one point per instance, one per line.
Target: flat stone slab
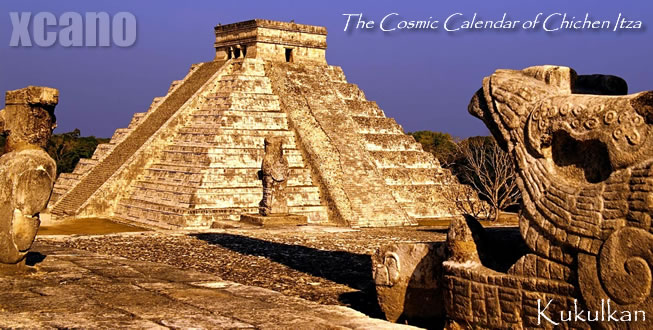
(70, 288)
(275, 219)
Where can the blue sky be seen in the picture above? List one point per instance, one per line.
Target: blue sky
(423, 79)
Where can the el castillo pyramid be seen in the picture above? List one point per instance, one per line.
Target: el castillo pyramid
(193, 157)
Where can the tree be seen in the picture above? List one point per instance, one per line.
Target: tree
(441, 145)
(67, 148)
(482, 164)
(464, 199)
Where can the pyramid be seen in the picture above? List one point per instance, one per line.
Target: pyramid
(193, 157)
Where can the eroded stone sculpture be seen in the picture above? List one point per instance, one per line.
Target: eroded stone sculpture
(274, 174)
(27, 172)
(585, 167)
(408, 279)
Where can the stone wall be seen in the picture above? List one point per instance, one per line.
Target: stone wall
(272, 41)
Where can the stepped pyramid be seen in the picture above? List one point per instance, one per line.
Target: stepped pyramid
(193, 157)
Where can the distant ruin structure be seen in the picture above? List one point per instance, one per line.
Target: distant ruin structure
(193, 157)
(27, 172)
(585, 167)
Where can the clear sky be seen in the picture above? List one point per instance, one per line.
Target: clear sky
(424, 79)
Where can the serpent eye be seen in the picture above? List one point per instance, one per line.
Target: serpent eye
(585, 161)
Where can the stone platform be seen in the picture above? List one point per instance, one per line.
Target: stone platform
(76, 289)
(274, 219)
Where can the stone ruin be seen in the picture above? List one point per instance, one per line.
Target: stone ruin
(584, 156)
(27, 172)
(192, 159)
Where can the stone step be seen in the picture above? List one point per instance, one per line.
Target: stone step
(364, 108)
(54, 197)
(59, 189)
(348, 91)
(236, 76)
(196, 168)
(240, 120)
(174, 85)
(336, 73)
(333, 74)
(84, 165)
(136, 119)
(403, 159)
(221, 190)
(215, 114)
(390, 142)
(314, 213)
(161, 215)
(226, 158)
(64, 182)
(251, 86)
(220, 197)
(421, 211)
(250, 67)
(212, 109)
(244, 101)
(64, 185)
(152, 214)
(428, 194)
(102, 150)
(212, 131)
(229, 141)
(224, 177)
(119, 135)
(155, 102)
(377, 125)
(68, 176)
(175, 199)
(220, 149)
(411, 176)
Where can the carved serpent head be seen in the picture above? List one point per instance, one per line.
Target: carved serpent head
(578, 143)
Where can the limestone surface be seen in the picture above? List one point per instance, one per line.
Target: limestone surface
(27, 172)
(77, 289)
(585, 169)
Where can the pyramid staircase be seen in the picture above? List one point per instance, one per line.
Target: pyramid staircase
(68, 181)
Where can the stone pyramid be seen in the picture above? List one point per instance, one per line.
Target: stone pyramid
(193, 157)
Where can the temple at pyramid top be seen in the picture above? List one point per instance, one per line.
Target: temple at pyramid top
(192, 159)
(271, 40)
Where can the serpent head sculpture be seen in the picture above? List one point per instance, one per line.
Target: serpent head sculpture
(583, 151)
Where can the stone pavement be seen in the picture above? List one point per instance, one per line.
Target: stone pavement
(78, 289)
